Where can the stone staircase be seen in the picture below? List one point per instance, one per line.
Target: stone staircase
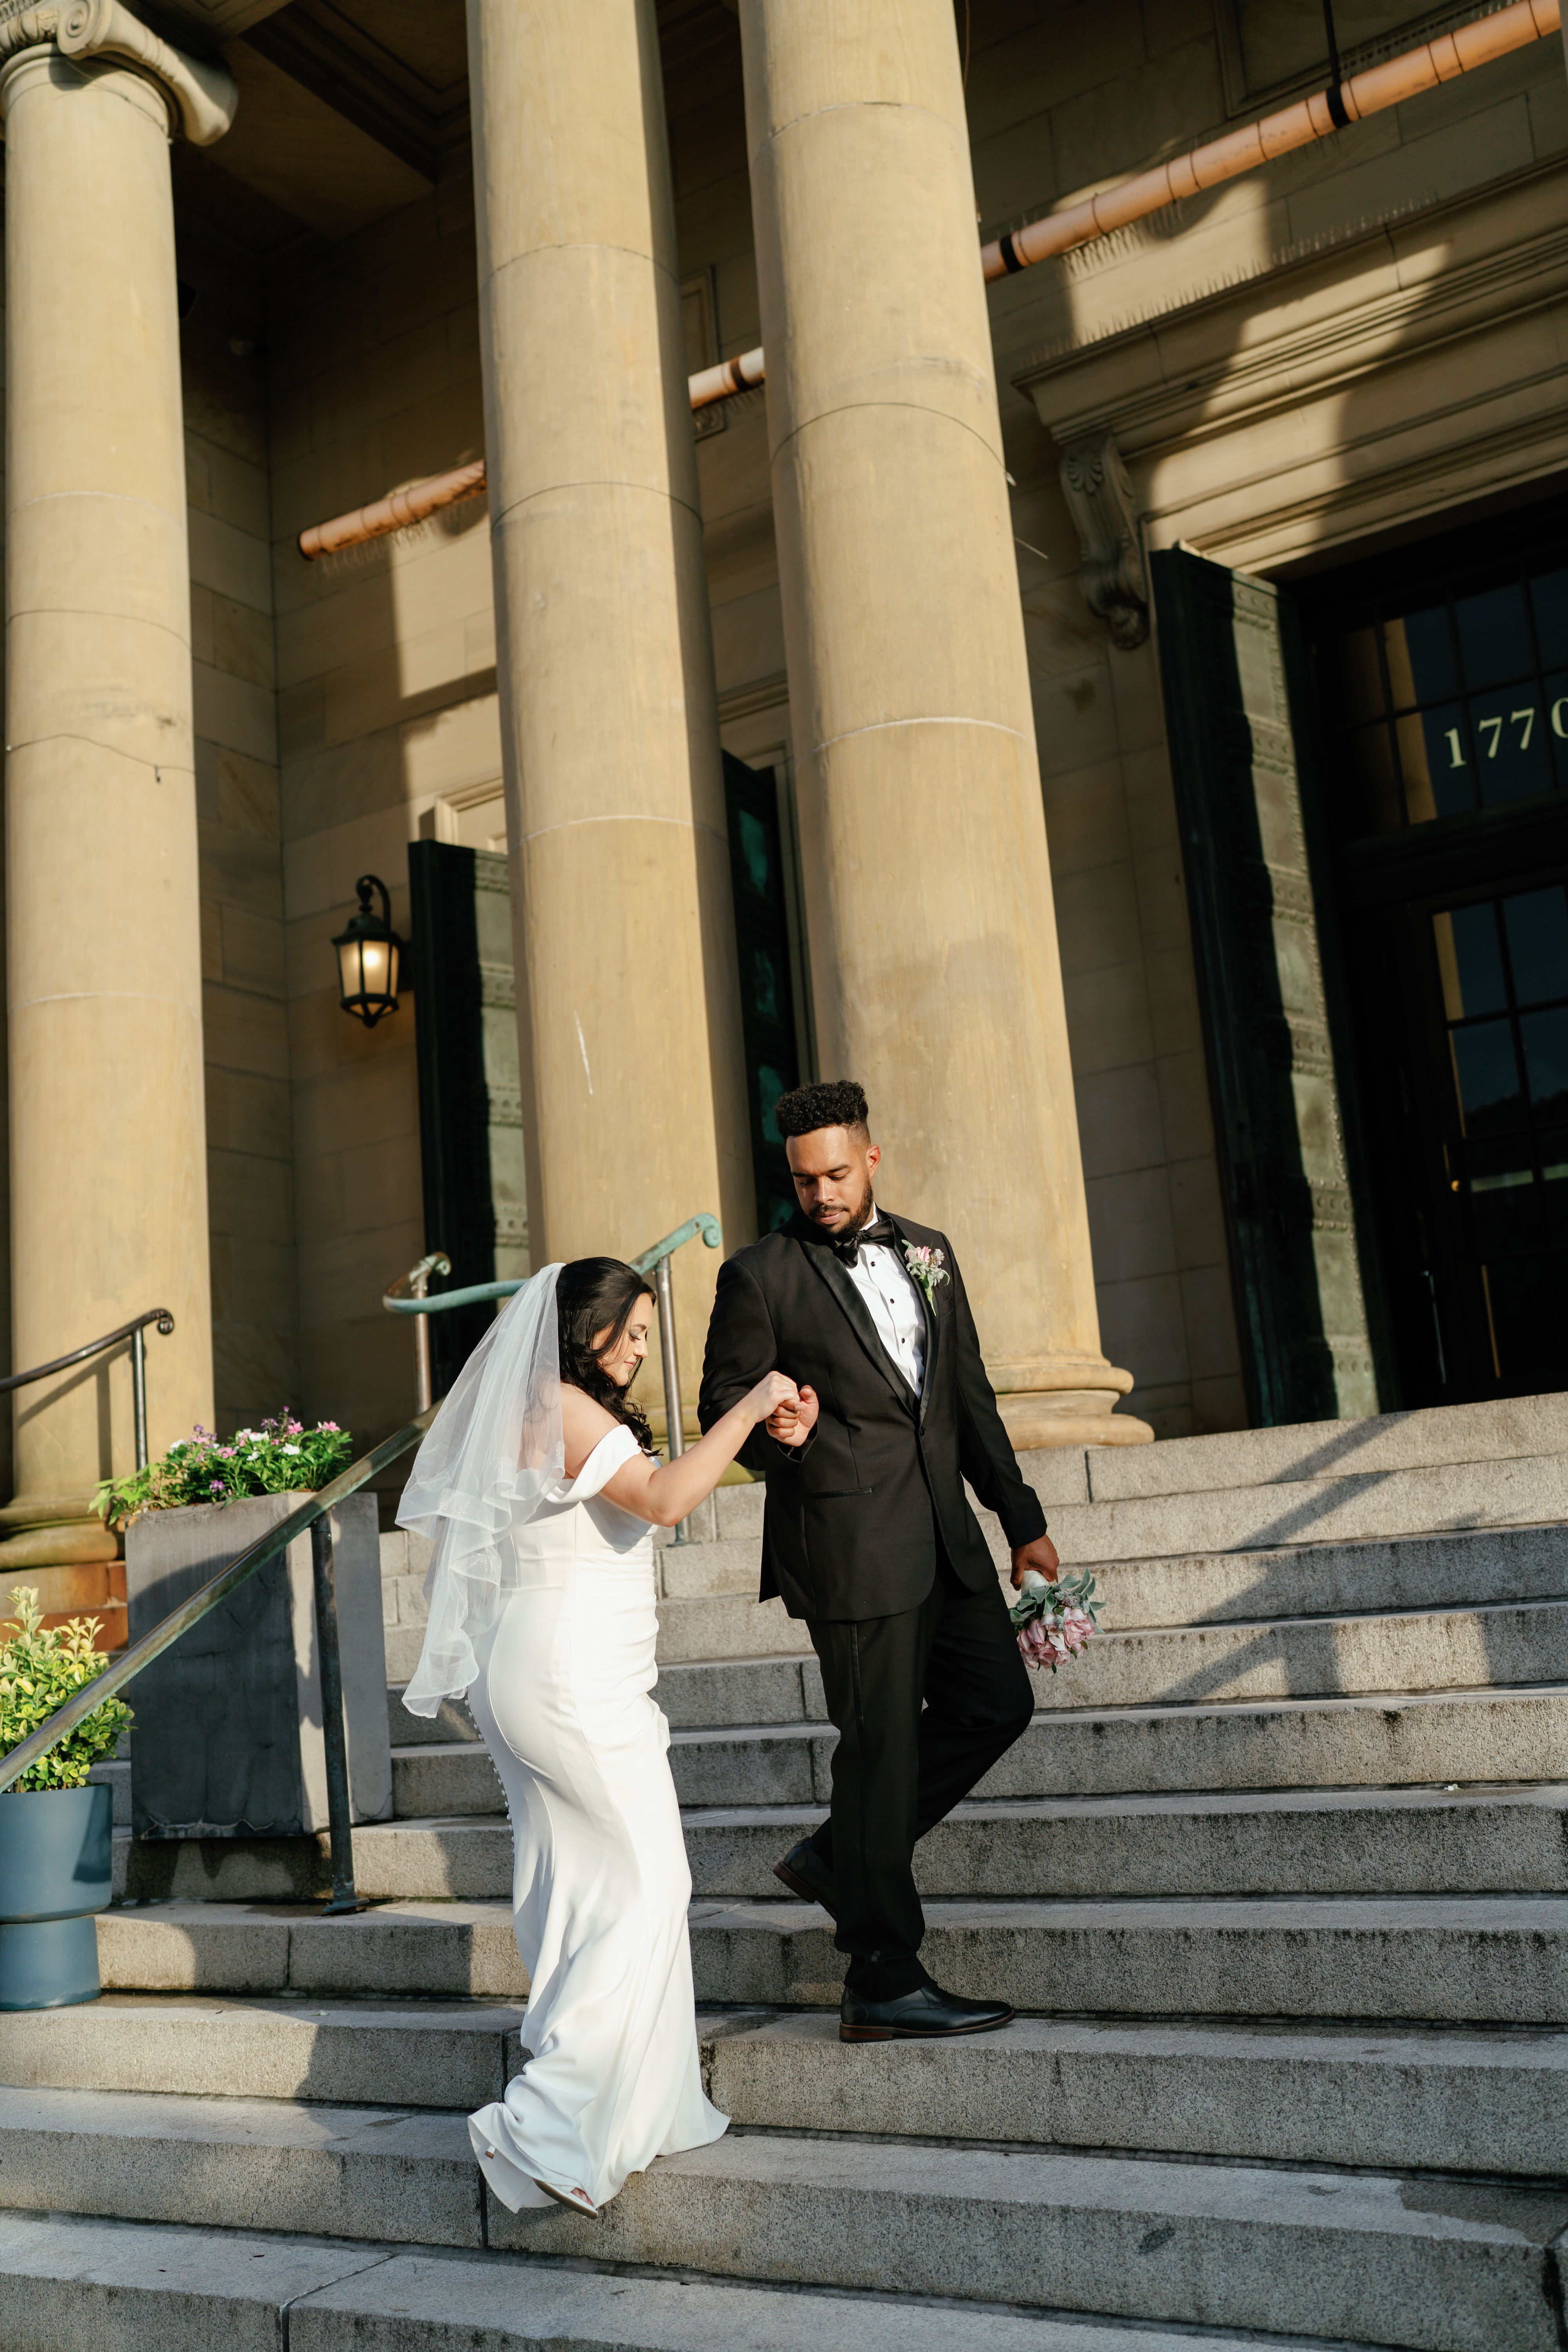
(57, 1545)
(1279, 1879)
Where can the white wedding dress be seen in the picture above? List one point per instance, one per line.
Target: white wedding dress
(601, 1883)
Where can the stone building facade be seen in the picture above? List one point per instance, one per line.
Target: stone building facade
(1226, 541)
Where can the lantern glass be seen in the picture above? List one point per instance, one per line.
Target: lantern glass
(369, 954)
(378, 968)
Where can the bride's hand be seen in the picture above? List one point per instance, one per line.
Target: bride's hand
(774, 1389)
(792, 1423)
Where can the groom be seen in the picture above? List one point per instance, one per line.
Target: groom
(869, 1537)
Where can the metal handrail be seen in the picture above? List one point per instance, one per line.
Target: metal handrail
(413, 1284)
(401, 1297)
(136, 1332)
(407, 1297)
(313, 1515)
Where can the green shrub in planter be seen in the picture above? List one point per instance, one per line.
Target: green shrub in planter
(39, 1670)
(282, 1457)
(56, 1830)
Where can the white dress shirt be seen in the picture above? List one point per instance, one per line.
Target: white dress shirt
(887, 1287)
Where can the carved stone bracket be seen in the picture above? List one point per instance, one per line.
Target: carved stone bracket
(202, 95)
(1098, 493)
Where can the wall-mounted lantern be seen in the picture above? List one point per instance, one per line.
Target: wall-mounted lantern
(369, 953)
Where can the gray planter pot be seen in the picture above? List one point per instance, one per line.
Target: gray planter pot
(228, 1736)
(56, 1858)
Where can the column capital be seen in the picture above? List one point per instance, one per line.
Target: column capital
(202, 95)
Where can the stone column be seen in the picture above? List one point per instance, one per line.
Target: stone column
(629, 1012)
(108, 1144)
(934, 961)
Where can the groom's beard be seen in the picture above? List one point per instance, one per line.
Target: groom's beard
(852, 1223)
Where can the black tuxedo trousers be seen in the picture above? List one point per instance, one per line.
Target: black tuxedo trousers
(924, 1702)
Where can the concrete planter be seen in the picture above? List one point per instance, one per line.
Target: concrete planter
(57, 1854)
(228, 1737)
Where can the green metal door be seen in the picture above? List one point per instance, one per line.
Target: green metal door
(767, 997)
(470, 1116)
(1226, 662)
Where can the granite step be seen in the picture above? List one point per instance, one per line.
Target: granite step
(392, 2053)
(1326, 1580)
(395, 1951)
(1304, 1580)
(1392, 1739)
(717, 1625)
(1349, 1505)
(1476, 1960)
(1460, 2100)
(1508, 1645)
(1387, 1741)
(1455, 2099)
(1390, 2258)
(727, 1564)
(726, 1625)
(451, 1722)
(1250, 1656)
(734, 1691)
(1506, 1429)
(1480, 1840)
(67, 2281)
(1285, 1843)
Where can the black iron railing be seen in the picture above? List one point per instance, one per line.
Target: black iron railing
(311, 1515)
(136, 1332)
(408, 1296)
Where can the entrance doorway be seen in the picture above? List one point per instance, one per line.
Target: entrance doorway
(1442, 680)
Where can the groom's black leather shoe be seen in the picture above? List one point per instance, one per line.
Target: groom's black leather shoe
(806, 1873)
(916, 2016)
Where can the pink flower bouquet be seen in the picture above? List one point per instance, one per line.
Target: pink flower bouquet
(1054, 1621)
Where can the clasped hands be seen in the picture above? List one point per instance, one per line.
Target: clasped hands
(793, 1420)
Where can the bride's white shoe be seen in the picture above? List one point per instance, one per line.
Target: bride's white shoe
(578, 2199)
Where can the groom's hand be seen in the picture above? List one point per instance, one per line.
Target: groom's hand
(792, 1423)
(1040, 1555)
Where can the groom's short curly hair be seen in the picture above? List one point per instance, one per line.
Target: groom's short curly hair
(833, 1102)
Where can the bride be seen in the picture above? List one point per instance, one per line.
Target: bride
(539, 1485)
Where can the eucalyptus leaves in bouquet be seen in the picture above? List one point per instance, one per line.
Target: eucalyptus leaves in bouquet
(282, 1457)
(40, 1668)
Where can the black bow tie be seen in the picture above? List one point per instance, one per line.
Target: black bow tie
(848, 1246)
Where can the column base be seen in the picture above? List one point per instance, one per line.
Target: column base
(1045, 1411)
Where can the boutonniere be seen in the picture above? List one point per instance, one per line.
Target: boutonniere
(926, 1267)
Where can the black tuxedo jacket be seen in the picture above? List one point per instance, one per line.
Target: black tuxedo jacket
(856, 1515)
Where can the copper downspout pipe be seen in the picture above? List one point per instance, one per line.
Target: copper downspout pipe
(723, 382)
(395, 512)
(421, 500)
(1371, 92)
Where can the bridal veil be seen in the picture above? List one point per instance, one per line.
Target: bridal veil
(493, 1453)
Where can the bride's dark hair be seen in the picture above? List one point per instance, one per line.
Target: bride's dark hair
(589, 1293)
